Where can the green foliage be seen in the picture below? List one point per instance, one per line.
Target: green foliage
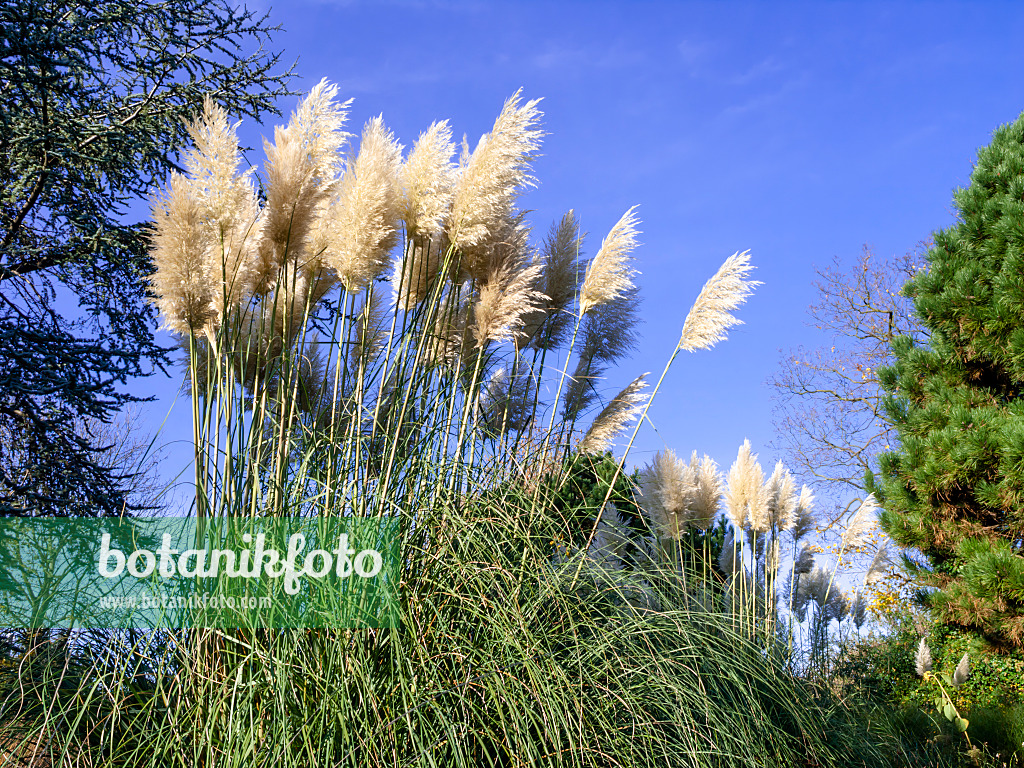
(94, 98)
(880, 672)
(954, 490)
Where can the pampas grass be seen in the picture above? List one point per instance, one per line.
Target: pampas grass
(614, 418)
(710, 318)
(490, 180)
(365, 213)
(534, 629)
(610, 276)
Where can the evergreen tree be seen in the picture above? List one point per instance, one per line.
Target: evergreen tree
(93, 99)
(954, 489)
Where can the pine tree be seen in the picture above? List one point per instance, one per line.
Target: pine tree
(93, 103)
(954, 489)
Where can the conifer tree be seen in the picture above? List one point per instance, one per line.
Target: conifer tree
(93, 103)
(954, 489)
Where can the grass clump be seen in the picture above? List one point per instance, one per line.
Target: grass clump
(329, 378)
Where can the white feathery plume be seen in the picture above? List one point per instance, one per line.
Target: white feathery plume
(709, 319)
(859, 610)
(781, 498)
(365, 214)
(858, 530)
(508, 295)
(962, 671)
(609, 274)
(727, 560)
(228, 199)
(492, 177)
(923, 659)
(506, 403)
(744, 497)
(708, 493)
(879, 564)
(838, 605)
(301, 169)
(815, 586)
(428, 179)
(625, 407)
(667, 490)
(182, 282)
(804, 519)
(610, 539)
(547, 327)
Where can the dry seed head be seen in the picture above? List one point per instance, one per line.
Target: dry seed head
(962, 671)
(301, 170)
(428, 178)
(708, 493)
(804, 519)
(181, 241)
(491, 178)
(562, 274)
(857, 533)
(365, 214)
(709, 319)
(626, 406)
(879, 564)
(804, 562)
(506, 403)
(859, 610)
(727, 558)
(610, 539)
(610, 275)
(780, 491)
(923, 659)
(580, 392)
(667, 489)
(815, 586)
(508, 295)
(744, 494)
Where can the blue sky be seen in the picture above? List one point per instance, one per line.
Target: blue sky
(800, 131)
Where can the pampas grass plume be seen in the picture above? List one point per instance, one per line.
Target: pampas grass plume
(923, 659)
(491, 178)
(365, 214)
(609, 275)
(709, 319)
(614, 417)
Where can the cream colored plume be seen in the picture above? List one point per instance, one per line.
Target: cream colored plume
(182, 281)
(615, 416)
(492, 177)
(428, 179)
(610, 274)
(708, 493)
(781, 498)
(508, 295)
(365, 214)
(804, 519)
(923, 658)
(709, 319)
(611, 538)
(744, 493)
(804, 561)
(858, 530)
(668, 487)
(879, 564)
(229, 199)
(301, 170)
